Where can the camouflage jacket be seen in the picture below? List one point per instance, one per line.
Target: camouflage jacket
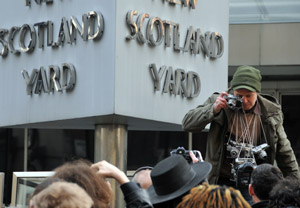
(272, 120)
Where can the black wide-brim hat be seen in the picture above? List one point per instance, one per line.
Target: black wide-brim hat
(174, 176)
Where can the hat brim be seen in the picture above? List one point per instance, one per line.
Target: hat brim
(244, 87)
(202, 170)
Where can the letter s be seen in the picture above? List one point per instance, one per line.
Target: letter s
(132, 25)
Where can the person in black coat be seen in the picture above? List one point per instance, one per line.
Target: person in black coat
(263, 179)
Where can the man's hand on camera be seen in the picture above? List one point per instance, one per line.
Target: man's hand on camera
(220, 103)
(194, 158)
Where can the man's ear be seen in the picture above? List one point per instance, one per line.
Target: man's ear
(250, 189)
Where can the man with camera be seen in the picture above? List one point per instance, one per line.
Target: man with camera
(245, 130)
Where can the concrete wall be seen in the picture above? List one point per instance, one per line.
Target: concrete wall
(112, 74)
(264, 44)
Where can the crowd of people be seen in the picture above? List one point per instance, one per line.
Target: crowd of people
(244, 141)
(172, 183)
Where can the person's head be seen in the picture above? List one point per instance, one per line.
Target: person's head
(246, 84)
(62, 195)
(264, 177)
(286, 193)
(47, 182)
(213, 196)
(173, 177)
(79, 172)
(142, 176)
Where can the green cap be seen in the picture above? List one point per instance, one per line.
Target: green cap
(246, 77)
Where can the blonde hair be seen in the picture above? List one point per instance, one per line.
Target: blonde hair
(62, 195)
(213, 196)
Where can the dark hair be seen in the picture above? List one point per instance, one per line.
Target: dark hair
(142, 168)
(213, 196)
(264, 177)
(47, 182)
(171, 203)
(96, 186)
(286, 193)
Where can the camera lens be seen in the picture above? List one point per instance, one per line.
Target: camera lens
(233, 153)
(262, 155)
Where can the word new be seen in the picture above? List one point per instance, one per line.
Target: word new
(28, 2)
(185, 3)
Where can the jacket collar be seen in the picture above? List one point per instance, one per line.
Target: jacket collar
(269, 105)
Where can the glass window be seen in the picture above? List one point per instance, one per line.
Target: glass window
(291, 122)
(147, 148)
(24, 184)
(263, 11)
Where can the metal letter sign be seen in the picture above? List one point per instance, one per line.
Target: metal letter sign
(179, 83)
(91, 28)
(211, 44)
(58, 80)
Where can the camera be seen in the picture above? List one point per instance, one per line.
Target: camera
(243, 174)
(234, 102)
(244, 161)
(185, 153)
(259, 151)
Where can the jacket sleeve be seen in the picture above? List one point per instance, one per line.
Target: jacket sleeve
(285, 156)
(196, 119)
(134, 196)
